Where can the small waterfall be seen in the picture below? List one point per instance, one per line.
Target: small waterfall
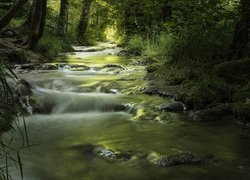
(51, 101)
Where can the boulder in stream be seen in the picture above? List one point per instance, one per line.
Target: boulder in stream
(49, 67)
(218, 113)
(171, 107)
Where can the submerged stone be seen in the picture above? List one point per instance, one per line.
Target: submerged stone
(106, 154)
(180, 158)
(111, 156)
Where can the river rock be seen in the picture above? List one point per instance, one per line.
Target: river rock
(218, 113)
(78, 67)
(161, 89)
(114, 66)
(111, 156)
(172, 107)
(180, 158)
(106, 154)
(49, 67)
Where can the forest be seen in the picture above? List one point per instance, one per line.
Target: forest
(124, 89)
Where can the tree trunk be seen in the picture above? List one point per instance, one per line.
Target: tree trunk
(37, 23)
(167, 13)
(240, 47)
(5, 20)
(83, 23)
(27, 24)
(63, 18)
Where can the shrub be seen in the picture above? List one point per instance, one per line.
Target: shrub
(158, 45)
(136, 44)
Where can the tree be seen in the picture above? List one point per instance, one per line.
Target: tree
(83, 23)
(240, 47)
(5, 20)
(63, 17)
(37, 23)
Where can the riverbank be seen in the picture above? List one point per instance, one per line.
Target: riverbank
(210, 94)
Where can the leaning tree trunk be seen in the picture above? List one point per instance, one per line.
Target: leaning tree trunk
(27, 24)
(240, 47)
(5, 20)
(37, 23)
(63, 18)
(83, 23)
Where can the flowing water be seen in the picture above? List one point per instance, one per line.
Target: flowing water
(95, 107)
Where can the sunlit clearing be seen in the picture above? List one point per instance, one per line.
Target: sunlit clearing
(111, 33)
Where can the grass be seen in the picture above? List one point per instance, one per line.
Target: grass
(10, 122)
(151, 46)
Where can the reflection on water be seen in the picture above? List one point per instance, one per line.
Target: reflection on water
(84, 111)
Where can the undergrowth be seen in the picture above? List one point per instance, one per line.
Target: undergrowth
(10, 144)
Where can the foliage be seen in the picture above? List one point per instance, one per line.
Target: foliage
(202, 29)
(136, 44)
(9, 121)
(51, 45)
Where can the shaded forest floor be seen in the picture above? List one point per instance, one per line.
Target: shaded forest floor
(18, 54)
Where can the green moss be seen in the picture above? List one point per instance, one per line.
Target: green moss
(200, 94)
(144, 114)
(234, 71)
(242, 110)
(242, 93)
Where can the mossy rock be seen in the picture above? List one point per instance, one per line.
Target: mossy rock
(242, 111)
(242, 93)
(201, 94)
(234, 71)
(180, 158)
(218, 113)
(144, 115)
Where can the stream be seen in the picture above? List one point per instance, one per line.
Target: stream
(88, 128)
